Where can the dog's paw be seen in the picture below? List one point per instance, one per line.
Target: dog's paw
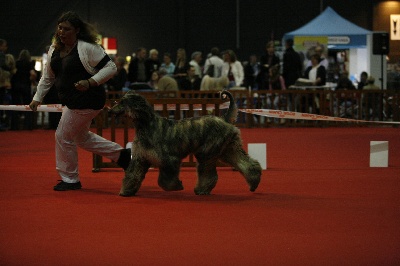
(126, 194)
(172, 186)
(197, 192)
(253, 188)
(254, 185)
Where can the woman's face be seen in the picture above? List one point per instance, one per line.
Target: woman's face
(227, 57)
(67, 33)
(154, 56)
(314, 61)
(154, 76)
(167, 59)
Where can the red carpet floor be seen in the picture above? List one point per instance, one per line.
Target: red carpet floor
(319, 203)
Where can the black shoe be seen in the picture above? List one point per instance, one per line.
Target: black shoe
(124, 158)
(63, 186)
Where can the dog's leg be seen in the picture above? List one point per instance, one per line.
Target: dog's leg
(207, 177)
(134, 175)
(248, 167)
(168, 179)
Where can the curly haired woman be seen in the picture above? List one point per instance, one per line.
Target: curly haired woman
(77, 66)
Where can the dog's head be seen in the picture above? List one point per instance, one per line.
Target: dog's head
(135, 106)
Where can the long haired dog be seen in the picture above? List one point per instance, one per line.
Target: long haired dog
(163, 143)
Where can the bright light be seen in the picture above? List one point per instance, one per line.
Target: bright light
(38, 66)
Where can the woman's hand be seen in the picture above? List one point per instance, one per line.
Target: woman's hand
(82, 85)
(33, 105)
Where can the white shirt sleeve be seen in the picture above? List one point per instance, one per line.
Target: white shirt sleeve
(47, 79)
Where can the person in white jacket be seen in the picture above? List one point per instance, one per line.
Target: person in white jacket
(232, 69)
(77, 66)
(214, 60)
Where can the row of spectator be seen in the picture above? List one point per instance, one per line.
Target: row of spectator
(17, 80)
(222, 70)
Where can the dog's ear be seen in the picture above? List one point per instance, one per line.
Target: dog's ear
(139, 105)
(137, 102)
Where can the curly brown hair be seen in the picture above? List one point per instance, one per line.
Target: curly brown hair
(232, 55)
(87, 32)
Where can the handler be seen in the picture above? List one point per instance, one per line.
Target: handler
(77, 66)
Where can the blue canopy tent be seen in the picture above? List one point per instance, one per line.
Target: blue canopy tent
(341, 33)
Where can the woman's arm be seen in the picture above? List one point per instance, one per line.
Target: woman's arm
(103, 67)
(46, 81)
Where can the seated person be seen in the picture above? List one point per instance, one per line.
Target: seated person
(191, 81)
(363, 80)
(346, 100)
(372, 100)
(344, 82)
(166, 82)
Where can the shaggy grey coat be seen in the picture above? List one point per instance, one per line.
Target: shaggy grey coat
(163, 143)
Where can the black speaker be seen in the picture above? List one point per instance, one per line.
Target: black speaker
(380, 43)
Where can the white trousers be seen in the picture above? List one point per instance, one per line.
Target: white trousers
(72, 132)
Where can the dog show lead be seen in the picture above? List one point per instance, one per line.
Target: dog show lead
(77, 66)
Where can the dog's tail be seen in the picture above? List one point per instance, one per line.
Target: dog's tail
(231, 115)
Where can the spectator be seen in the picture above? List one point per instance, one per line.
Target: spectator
(196, 59)
(344, 82)
(191, 81)
(152, 63)
(21, 89)
(266, 61)
(363, 80)
(165, 82)
(168, 65)
(346, 100)
(153, 82)
(215, 61)
(316, 73)
(251, 71)
(137, 71)
(372, 100)
(292, 65)
(181, 66)
(276, 82)
(232, 69)
(319, 50)
(118, 81)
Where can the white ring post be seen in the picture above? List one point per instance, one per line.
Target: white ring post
(379, 154)
(258, 151)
